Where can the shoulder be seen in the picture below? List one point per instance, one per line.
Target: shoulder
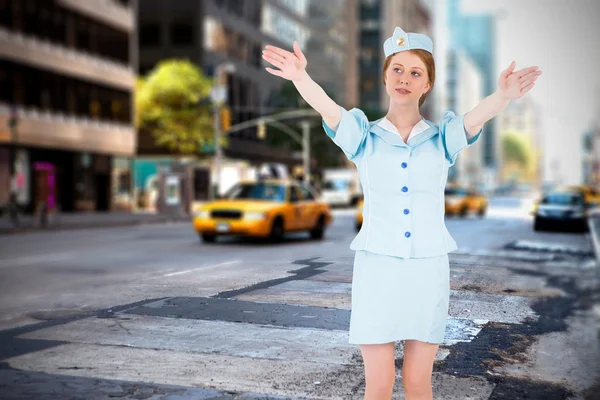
(444, 121)
(358, 114)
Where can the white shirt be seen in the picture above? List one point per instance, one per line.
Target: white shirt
(420, 127)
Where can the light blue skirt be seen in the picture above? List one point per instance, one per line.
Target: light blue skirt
(399, 299)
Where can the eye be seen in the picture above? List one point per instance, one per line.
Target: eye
(416, 73)
(397, 69)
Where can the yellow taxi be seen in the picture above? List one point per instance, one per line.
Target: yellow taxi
(358, 215)
(265, 208)
(462, 201)
(590, 194)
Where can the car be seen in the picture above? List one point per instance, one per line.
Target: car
(358, 215)
(263, 208)
(562, 210)
(590, 194)
(461, 201)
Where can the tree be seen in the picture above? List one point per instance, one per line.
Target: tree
(172, 104)
(518, 157)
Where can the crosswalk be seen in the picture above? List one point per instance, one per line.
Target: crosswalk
(285, 338)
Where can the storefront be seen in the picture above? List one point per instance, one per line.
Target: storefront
(60, 180)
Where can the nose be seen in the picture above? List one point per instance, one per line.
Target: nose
(403, 79)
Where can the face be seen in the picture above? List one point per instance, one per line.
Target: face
(406, 78)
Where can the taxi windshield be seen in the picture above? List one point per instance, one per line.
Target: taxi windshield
(257, 191)
(455, 192)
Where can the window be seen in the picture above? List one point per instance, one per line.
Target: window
(149, 34)
(259, 191)
(182, 34)
(293, 194)
(214, 36)
(307, 194)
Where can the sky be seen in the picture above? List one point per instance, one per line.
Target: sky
(561, 37)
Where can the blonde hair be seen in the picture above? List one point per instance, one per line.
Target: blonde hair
(429, 62)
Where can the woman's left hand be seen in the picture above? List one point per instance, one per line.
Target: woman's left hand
(513, 85)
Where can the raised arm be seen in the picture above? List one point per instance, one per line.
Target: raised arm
(292, 66)
(511, 85)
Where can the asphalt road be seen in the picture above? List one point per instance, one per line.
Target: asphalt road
(158, 286)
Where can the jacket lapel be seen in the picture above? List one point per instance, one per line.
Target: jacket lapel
(393, 139)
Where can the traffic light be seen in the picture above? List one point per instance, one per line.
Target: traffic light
(225, 119)
(262, 130)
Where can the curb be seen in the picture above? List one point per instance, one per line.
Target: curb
(97, 225)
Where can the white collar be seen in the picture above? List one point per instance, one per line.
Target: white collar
(420, 127)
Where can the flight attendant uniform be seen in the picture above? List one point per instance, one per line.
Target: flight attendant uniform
(401, 285)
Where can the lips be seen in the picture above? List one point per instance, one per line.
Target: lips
(403, 91)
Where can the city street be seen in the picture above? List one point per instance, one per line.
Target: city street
(151, 312)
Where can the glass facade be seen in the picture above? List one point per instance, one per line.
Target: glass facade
(370, 60)
(47, 91)
(48, 21)
(319, 28)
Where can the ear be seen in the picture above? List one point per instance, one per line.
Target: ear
(427, 87)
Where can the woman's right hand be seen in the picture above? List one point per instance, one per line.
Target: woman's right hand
(291, 65)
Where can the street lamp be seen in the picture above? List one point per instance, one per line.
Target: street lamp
(306, 150)
(218, 96)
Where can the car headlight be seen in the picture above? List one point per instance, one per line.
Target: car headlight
(254, 216)
(577, 214)
(203, 214)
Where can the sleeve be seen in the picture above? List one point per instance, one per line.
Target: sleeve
(350, 132)
(454, 135)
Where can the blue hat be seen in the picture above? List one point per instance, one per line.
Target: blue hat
(402, 41)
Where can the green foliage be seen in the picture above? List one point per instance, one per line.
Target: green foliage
(172, 104)
(517, 149)
(520, 160)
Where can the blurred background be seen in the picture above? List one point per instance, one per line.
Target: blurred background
(128, 106)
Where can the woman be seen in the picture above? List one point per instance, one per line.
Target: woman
(400, 285)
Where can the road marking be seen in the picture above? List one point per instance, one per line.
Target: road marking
(205, 266)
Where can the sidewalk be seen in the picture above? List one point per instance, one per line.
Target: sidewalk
(594, 225)
(64, 221)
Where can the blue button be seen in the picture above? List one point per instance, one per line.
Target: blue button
(404, 189)
(404, 165)
(407, 234)
(406, 211)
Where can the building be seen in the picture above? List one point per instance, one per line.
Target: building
(469, 166)
(66, 81)
(213, 32)
(378, 19)
(475, 35)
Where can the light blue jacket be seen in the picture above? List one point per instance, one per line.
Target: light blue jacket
(403, 183)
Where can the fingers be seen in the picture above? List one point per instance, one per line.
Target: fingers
(273, 61)
(531, 75)
(529, 79)
(527, 88)
(527, 82)
(298, 52)
(280, 52)
(509, 70)
(274, 72)
(273, 55)
(525, 71)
